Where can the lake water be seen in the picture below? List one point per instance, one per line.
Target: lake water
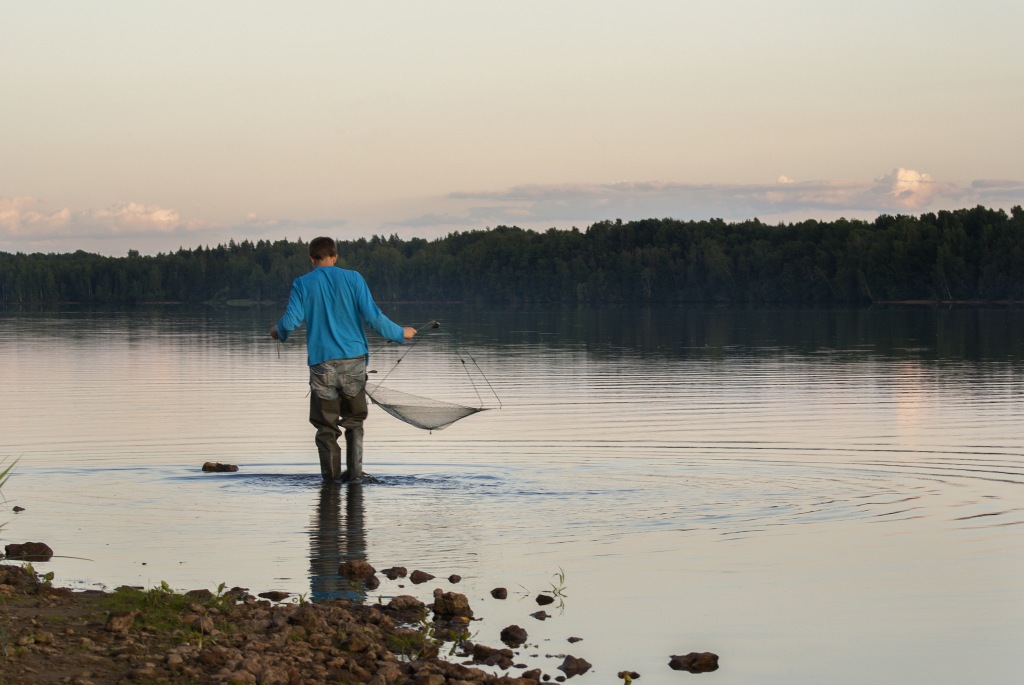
(818, 496)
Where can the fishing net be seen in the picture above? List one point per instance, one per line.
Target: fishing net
(457, 385)
(419, 411)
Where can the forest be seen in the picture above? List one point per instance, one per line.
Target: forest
(972, 254)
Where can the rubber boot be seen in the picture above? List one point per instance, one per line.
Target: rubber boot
(330, 463)
(353, 456)
(323, 414)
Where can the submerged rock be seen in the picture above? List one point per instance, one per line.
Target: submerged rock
(513, 635)
(573, 666)
(695, 662)
(395, 572)
(356, 569)
(502, 658)
(451, 604)
(418, 577)
(275, 595)
(217, 467)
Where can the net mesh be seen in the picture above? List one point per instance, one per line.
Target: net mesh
(417, 411)
(438, 366)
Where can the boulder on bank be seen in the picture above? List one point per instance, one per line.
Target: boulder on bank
(29, 551)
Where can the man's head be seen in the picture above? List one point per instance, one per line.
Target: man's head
(322, 248)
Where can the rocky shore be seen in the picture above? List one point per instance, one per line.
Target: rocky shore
(131, 635)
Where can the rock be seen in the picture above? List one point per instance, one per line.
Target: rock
(454, 578)
(236, 594)
(418, 577)
(541, 615)
(275, 595)
(356, 569)
(499, 593)
(121, 621)
(451, 604)
(203, 625)
(395, 572)
(501, 658)
(307, 617)
(543, 599)
(513, 636)
(573, 666)
(372, 583)
(695, 662)
(202, 595)
(574, 640)
(273, 675)
(18, 509)
(405, 603)
(217, 467)
(29, 551)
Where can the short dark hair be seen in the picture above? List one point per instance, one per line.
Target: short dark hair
(322, 248)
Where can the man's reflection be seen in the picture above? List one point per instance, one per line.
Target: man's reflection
(335, 539)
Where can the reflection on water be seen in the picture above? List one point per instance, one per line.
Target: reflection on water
(334, 539)
(762, 483)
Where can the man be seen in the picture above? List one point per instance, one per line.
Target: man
(335, 303)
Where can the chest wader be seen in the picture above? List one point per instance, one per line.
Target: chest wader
(329, 417)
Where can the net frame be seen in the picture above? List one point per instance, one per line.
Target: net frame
(422, 412)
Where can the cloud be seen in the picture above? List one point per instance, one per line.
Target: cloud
(901, 191)
(32, 224)
(28, 218)
(23, 216)
(133, 217)
(913, 189)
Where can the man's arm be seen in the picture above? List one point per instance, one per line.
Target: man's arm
(293, 316)
(375, 318)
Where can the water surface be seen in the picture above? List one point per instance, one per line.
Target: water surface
(815, 495)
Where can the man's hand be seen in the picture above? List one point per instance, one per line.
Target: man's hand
(408, 332)
(273, 332)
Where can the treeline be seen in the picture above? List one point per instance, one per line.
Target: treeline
(961, 255)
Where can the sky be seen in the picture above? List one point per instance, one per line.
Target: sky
(145, 125)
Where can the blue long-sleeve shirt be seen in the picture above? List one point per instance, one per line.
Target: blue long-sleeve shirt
(334, 303)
